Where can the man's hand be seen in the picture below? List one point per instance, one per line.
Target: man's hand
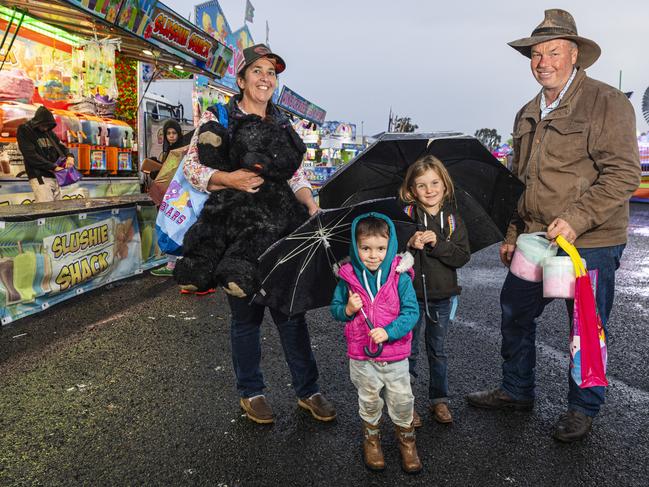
(241, 180)
(58, 168)
(506, 253)
(378, 335)
(561, 227)
(354, 303)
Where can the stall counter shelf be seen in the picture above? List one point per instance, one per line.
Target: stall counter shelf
(19, 213)
(17, 191)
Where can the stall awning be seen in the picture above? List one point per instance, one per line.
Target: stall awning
(153, 34)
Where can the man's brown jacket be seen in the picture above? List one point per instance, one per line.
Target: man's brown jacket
(580, 163)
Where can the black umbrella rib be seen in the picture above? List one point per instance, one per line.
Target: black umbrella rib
(305, 246)
(304, 265)
(311, 242)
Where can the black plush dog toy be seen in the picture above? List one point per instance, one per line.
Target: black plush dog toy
(236, 227)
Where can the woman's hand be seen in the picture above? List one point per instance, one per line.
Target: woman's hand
(305, 196)
(69, 162)
(241, 180)
(354, 304)
(378, 335)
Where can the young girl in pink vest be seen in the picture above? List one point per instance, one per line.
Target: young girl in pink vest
(440, 247)
(376, 287)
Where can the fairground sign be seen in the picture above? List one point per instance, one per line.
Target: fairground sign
(294, 103)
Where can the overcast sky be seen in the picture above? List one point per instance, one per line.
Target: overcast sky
(443, 63)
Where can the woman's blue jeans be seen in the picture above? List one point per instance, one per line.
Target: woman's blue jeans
(522, 302)
(245, 337)
(435, 331)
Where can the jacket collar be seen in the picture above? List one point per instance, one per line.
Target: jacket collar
(564, 109)
(271, 111)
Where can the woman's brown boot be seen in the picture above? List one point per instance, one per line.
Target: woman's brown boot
(372, 452)
(410, 462)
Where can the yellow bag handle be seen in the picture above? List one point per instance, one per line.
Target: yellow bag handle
(570, 249)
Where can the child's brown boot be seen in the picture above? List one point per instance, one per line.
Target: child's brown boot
(410, 462)
(372, 452)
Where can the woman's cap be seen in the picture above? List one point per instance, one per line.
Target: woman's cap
(251, 54)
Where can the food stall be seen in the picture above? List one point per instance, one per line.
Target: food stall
(69, 56)
(81, 60)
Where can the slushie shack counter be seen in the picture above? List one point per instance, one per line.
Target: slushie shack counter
(50, 252)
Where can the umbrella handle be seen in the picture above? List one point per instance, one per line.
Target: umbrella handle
(366, 349)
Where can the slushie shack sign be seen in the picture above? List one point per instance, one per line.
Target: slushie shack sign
(178, 33)
(199, 48)
(81, 255)
(294, 103)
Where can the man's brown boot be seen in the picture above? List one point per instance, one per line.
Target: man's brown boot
(410, 462)
(372, 452)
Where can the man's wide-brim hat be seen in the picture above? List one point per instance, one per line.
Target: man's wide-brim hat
(252, 53)
(559, 24)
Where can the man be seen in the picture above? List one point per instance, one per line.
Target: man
(41, 148)
(576, 151)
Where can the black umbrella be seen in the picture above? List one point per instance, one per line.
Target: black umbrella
(486, 192)
(298, 271)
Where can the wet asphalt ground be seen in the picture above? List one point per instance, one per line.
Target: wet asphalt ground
(132, 385)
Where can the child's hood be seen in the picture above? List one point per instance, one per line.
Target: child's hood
(391, 253)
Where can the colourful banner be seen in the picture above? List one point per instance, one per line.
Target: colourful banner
(160, 25)
(135, 15)
(210, 17)
(294, 103)
(104, 9)
(46, 261)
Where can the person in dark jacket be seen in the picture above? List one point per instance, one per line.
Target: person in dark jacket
(41, 148)
(440, 246)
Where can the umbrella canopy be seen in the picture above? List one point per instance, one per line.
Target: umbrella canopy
(486, 192)
(298, 271)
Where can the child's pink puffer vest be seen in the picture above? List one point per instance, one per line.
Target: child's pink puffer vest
(381, 312)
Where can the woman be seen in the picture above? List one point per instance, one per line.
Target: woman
(172, 138)
(257, 80)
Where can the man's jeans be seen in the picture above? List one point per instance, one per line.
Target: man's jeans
(522, 302)
(435, 331)
(245, 337)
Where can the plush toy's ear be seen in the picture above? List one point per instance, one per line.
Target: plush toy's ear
(213, 146)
